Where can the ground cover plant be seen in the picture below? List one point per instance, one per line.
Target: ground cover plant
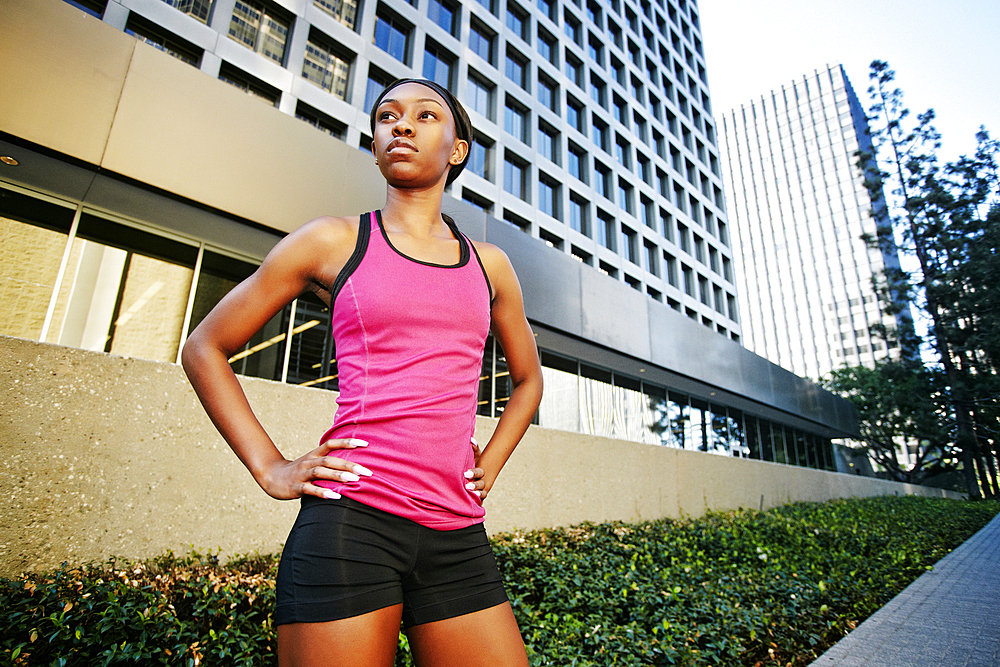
(733, 588)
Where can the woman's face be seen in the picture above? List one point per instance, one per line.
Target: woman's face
(415, 142)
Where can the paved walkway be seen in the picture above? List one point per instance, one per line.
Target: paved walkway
(949, 617)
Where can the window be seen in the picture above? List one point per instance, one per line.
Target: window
(620, 110)
(594, 12)
(479, 96)
(157, 37)
(477, 200)
(548, 8)
(581, 255)
(548, 47)
(574, 69)
(606, 231)
(482, 41)
(603, 176)
(343, 11)
(481, 158)
(688, 280)
(645, 171)
(516, 121)
(703, 291)
(548, 196)
(515, 177)
(249, 84)
(578, 212)
(199, 9)
(517, 20)
(629, 243)
(574, 113)
(490, 5)
(652, 254)
(683, 238)
(548, 93)
(571, 27)
(576, 160)
(647, 212)
(438, 64)
(619, 71)
(670, 265)
(598, 91)
(260, 29)
(516, 68)
(625, 200)
(320, 120)
(445, 14)
(392, 35)
(326, 66)
(622, 152)
(551, 240)
(377, 81)
(595, 49)
(548, 142)
(699, 249)
(600, 134)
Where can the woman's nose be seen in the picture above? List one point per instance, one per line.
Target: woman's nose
(402, 127)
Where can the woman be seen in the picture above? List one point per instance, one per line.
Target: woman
(390, 525)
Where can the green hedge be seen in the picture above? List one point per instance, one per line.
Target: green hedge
(734, 588)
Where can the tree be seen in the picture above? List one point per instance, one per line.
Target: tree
(901, 405)
(947, 219)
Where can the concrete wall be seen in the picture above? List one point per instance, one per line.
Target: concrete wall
(104, 455)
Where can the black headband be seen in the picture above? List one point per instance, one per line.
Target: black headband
(463, 125)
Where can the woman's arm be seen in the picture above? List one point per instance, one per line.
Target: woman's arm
(306, 257)
(510, 328)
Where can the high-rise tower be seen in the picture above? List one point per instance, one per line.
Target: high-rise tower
(594, 127)
(799, 206)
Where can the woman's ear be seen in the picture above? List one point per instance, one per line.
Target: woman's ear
(461, 150)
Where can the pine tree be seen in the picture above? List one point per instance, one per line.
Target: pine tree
(946, 219)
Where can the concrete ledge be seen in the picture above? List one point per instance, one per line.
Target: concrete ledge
(104, 455)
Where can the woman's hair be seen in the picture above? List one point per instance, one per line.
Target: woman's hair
(463, 125)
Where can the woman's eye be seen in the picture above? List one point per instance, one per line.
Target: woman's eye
(428, 114)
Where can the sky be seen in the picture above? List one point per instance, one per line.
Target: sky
(946, 54)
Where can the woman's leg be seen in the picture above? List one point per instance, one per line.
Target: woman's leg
(488, 638)
(368, 640)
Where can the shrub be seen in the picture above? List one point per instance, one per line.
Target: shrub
(733, 588)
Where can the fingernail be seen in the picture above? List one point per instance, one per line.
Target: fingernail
(361, 470)
(331, 495)
(474, 441)
(469, 474)
(471, 486)
(357, 442)
(348, 477)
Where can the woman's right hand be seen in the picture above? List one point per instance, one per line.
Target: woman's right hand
(287, 480)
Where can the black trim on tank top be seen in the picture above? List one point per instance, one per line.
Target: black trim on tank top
(360, 247)
(463, 258)
(489, 285)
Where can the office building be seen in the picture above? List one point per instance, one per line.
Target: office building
(163, 147)
(799, 207)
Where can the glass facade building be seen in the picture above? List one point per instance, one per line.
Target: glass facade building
(799, 206)
(594, 166)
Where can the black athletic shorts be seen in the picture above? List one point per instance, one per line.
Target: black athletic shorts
(344, 559)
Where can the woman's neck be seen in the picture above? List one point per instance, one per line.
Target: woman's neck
(416, 212)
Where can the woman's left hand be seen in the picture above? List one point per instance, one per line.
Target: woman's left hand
(476, 485)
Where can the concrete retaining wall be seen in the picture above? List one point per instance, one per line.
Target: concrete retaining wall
(104, 455)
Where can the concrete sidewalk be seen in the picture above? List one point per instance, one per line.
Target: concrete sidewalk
(949, 617)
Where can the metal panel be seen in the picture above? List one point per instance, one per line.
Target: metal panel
(614, 314)
(550, 279)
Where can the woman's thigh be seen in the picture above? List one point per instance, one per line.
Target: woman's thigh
(368, 640)
(489, 637)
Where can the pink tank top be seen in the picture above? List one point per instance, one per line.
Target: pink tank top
(409, 339)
